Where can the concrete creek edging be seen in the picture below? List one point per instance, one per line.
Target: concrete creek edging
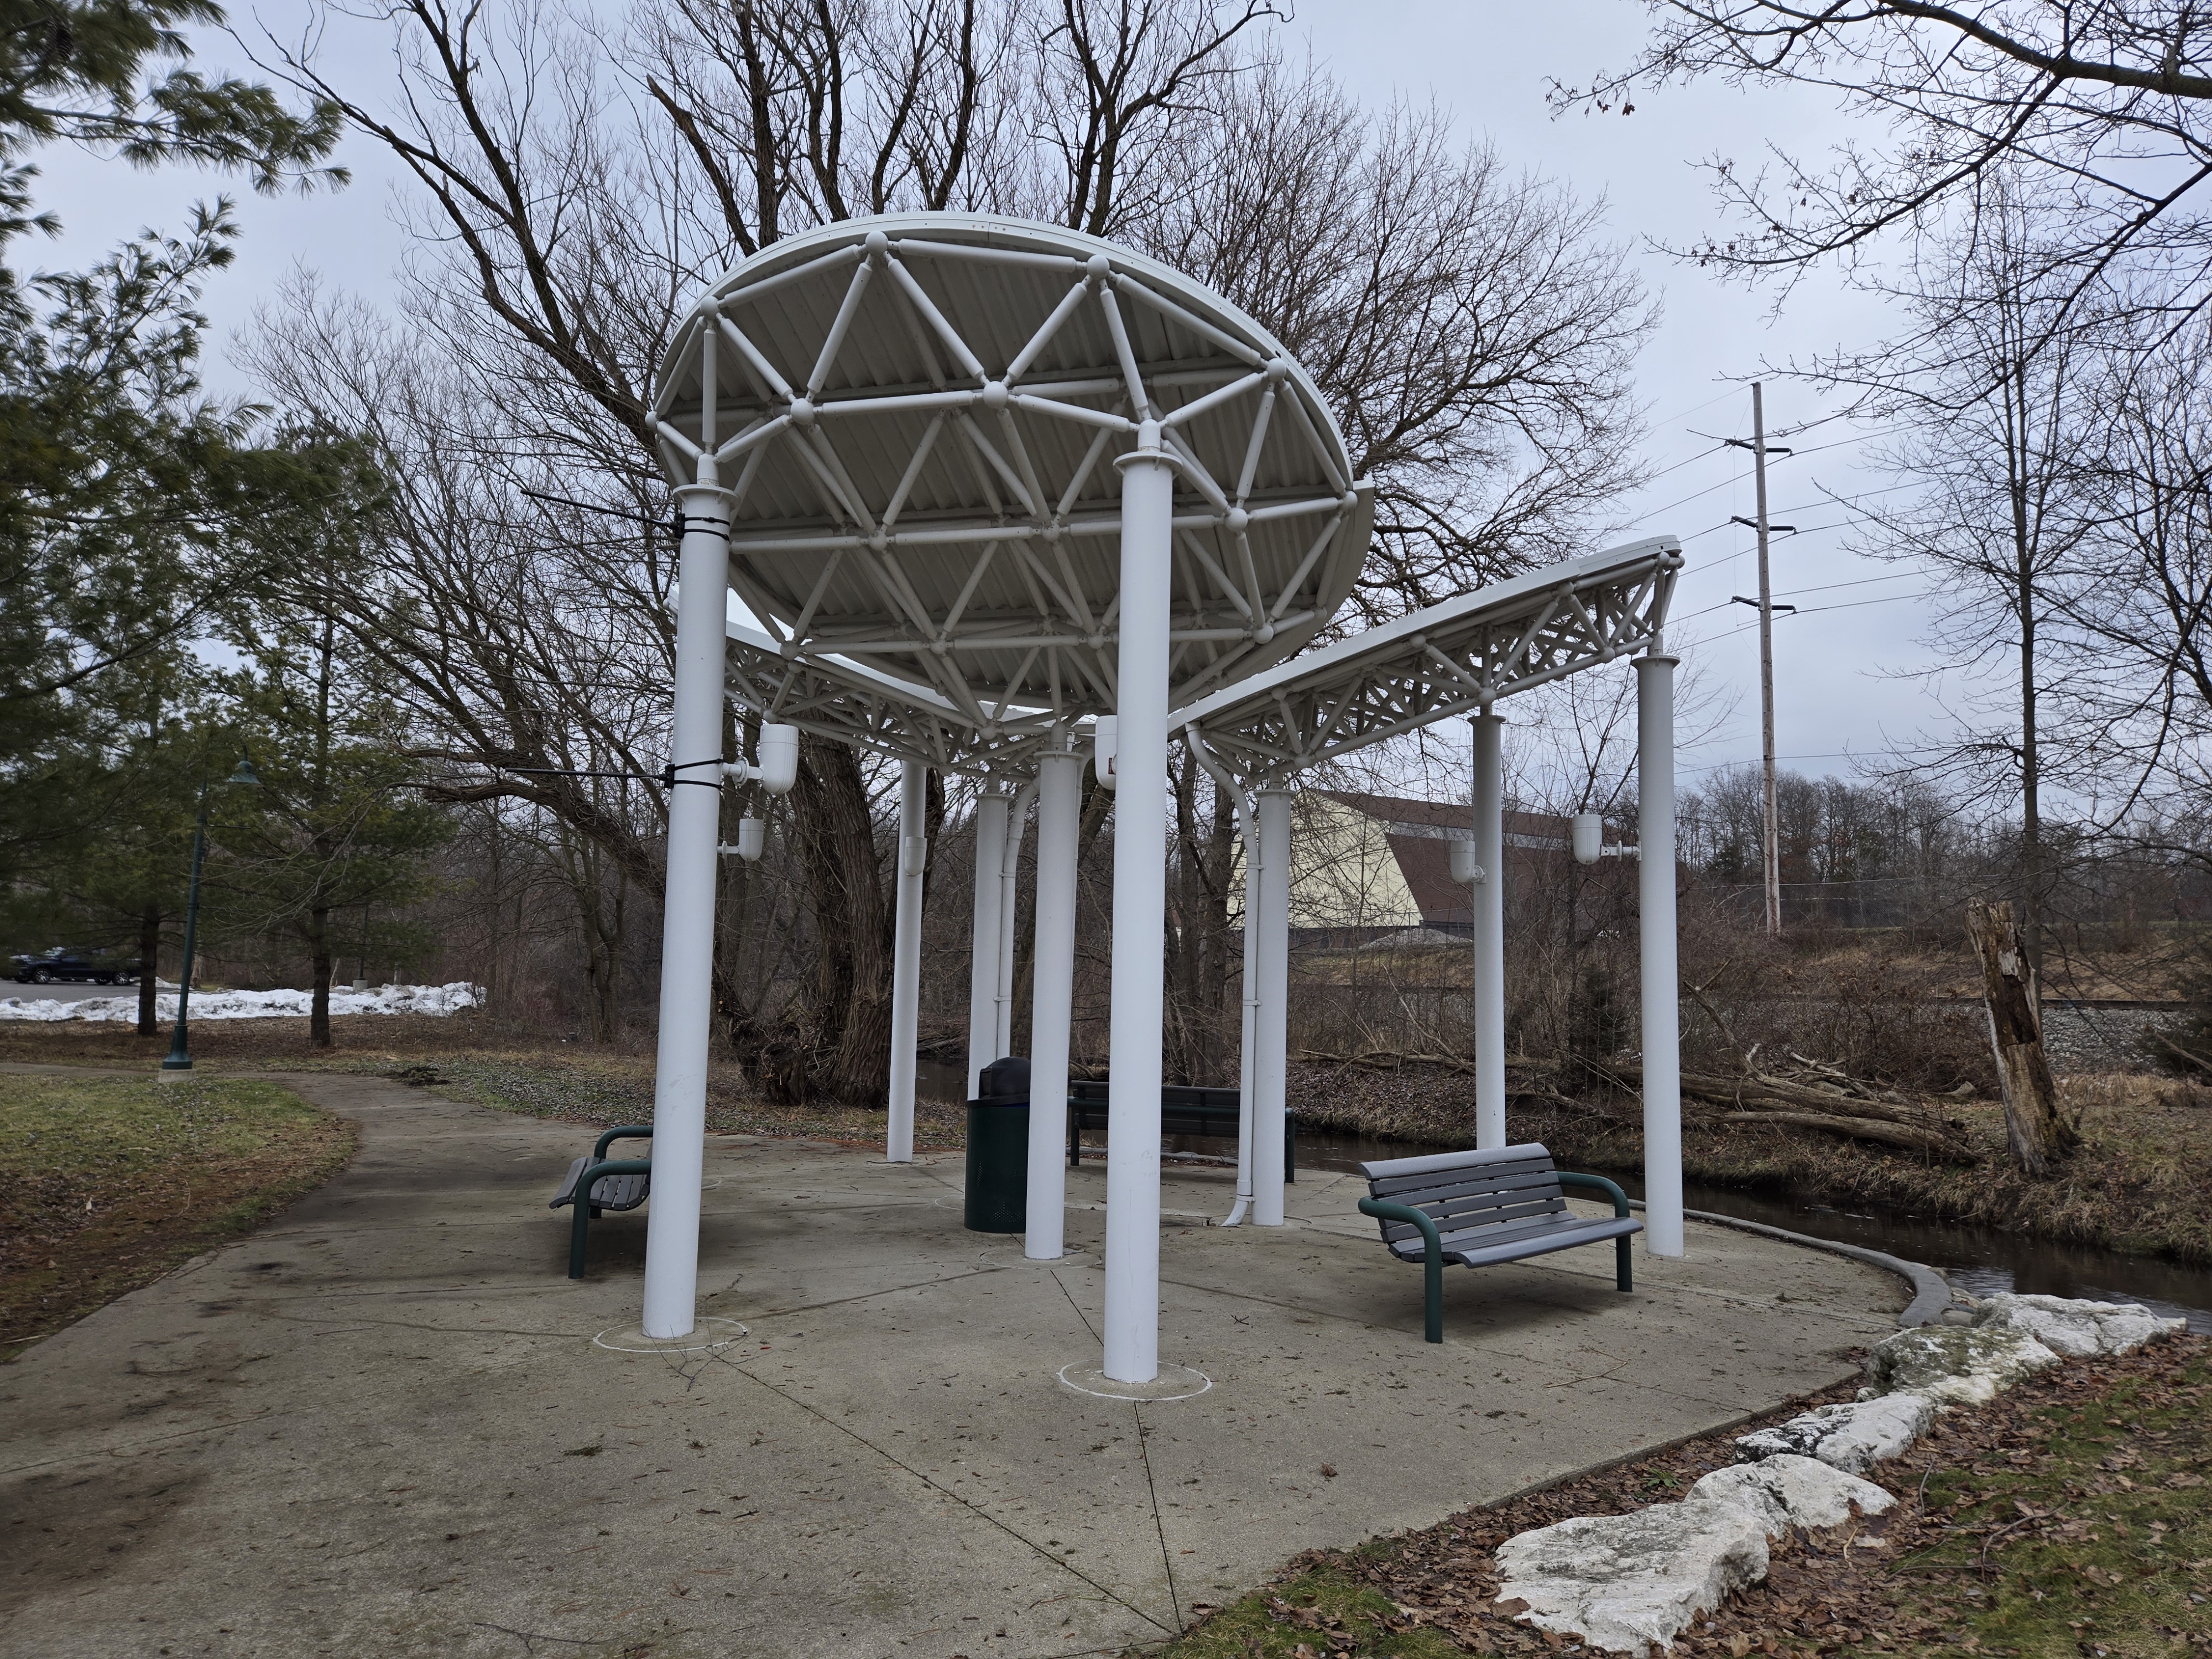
(1931, 1291)
(1623, 1582)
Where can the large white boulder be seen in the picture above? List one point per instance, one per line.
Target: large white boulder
(1621, 1582)
(1958, 1367)
(1786, 1490)
(2076, 1329)
(1851, 1437)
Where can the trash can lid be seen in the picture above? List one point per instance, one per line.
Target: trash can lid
(1005, 1079)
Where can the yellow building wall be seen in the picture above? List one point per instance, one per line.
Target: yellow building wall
(1343, 873)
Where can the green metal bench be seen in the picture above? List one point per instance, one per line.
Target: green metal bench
(623, 1184)
(1184, 1110)
(1477, 1208)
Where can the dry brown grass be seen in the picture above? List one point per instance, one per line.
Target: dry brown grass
(2142, 1181)
(107, 1182)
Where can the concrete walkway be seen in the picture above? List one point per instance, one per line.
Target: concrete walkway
(382, 1426)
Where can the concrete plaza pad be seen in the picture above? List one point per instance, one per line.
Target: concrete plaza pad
(382, 1425)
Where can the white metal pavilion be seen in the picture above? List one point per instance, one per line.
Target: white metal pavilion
(1031, 478)
(1025, 468)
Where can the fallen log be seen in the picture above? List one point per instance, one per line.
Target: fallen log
(1770, 1100)
(1883, 1132)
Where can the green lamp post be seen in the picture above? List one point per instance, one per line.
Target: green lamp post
(181, 1057)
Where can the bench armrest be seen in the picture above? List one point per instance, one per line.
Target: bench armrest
(627, 1131)
(1433, 1263)
(1620, 1198)
(580, 1217)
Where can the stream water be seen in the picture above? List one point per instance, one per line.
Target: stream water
(1982, 1261)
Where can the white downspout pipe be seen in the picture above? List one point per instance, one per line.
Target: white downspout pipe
(1131, 1313)
(1489, 893)
(1052, 1000)
(1010, 866)
(983, 948)
(1662, 1045)
(1271, 1032)
(906, 958)
(1248, 831)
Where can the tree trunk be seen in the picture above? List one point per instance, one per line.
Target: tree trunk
(2041, 1135)
(837, 1040)
(318, 948)
(149, 951)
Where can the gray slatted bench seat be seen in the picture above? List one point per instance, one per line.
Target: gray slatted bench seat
(622, 1185)
(1481, 1207)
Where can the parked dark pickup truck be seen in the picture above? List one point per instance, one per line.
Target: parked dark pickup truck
(68, 962)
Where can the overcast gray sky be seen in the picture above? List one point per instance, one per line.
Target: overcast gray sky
(1839, 694)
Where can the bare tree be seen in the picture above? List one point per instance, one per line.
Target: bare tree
(576, 190)
(1986, 420)
(2108, 102)
(1474, 332)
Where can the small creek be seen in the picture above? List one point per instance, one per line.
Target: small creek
(1981, 1261)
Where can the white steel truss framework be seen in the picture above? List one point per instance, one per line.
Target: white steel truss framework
(848, 702)
(918, 420)
(1456, 658)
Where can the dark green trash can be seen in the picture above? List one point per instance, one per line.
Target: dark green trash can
(999, 1149)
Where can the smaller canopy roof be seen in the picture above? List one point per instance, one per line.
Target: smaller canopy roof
(1450, 658)
(848, 702)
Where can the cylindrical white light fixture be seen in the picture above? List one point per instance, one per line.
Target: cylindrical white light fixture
(1587, 831)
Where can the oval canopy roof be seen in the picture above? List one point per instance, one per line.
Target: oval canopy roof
(919, 416)
(850, 703)
(1449, 658)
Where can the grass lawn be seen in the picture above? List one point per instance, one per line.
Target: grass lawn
(472, 1058)
(2072, 1519)
(107, 1182)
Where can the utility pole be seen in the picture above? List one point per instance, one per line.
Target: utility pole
(1770, 832)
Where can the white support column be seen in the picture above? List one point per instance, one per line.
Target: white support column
(1140, 810)
(687, 934)
(1662, 1045)
(906, 957)
(983, 947)
(1247, 1083)
(1489, 896)
(1010, 868)
(1271, 1034)
(1059, 825)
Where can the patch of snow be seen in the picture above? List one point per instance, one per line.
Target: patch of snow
(1853, 1437)
(1620, 1581)
(2076, 1329)
(434, 999)
(1969, 1367)
(1786, 1490)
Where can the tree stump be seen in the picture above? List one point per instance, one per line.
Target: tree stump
(2041, 1135)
